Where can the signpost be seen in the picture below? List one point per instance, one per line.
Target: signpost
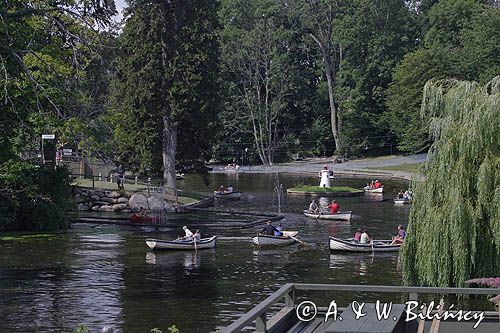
(46, 137)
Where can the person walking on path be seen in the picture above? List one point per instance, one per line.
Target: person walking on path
(120, 177)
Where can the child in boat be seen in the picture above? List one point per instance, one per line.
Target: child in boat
(334, 207)
(357, 236)
(377, 184)
(365, 237)
(230, 189)
(401, 195)
(197, 235)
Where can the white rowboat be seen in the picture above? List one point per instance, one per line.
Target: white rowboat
(235, 195)
(399, 201)
(181, 244)
(337, 244)
(341, 215)
(267, 240)
(373, 190)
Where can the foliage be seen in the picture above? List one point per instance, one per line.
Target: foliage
(456, 210)
(44, 48)
(255, 53)
(173, 329)
(374, 36)
(81, 329)
(488, 282)
(33, 197)
(165, 84)
(462, 42)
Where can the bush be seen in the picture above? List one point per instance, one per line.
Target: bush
(33, 197)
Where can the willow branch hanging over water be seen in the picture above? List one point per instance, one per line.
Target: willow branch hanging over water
(454, 228)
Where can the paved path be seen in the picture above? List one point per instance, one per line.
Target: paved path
(362, 168)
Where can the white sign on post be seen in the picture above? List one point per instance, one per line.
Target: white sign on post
(48, 136)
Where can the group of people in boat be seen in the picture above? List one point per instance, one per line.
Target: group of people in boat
(232, 166)
(190, 236)
(315, 209)
(223, 190)
(363, 237)
(271, 230)
(374, 184)
(407, 195)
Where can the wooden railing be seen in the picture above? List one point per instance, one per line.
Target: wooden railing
(286, 294)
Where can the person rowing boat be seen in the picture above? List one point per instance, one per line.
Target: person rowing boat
(313, 207)
(269, 229)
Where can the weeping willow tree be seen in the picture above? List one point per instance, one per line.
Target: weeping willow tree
(454, 228)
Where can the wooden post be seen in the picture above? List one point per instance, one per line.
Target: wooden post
(290, 298)
(260, 324)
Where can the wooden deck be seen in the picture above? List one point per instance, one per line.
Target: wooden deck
(286, 319)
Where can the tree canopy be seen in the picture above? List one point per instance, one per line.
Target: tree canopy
(454, 227)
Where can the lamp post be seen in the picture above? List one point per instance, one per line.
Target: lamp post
(246, 151)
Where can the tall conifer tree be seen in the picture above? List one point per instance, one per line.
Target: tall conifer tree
(165, 87)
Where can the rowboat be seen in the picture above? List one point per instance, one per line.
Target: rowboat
(369, 189)
(342, 215)
(401, 201)
(235, 195)
(136, 218)
(181, 244)
(267, 240)
(349, 245)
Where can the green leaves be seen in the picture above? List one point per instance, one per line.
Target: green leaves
(455, 212)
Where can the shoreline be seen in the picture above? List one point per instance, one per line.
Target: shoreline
(362, 168)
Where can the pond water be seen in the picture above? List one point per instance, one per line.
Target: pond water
(105, 275)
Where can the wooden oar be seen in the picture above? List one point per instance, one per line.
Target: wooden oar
(317, 217)
(297, 240)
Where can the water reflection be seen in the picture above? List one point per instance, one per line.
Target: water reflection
(107, 276)
(190, 259)
(282, 256)
(361, 264)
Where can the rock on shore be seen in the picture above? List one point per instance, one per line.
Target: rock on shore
(98, 200)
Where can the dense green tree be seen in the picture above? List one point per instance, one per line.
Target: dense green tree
(461, 42)
(254, 54)
(164, 95)
(374, 36)
(317, 21)
(44, 49)
(455, 213)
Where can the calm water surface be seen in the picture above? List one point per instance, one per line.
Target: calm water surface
(105, 275)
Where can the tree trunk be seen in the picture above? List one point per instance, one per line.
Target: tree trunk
(331, 83)
(169, 145)
(333, 109)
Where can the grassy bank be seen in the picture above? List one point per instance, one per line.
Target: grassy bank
(402, 167)
(183, 197)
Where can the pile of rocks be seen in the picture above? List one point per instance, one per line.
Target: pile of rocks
(99, 200)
